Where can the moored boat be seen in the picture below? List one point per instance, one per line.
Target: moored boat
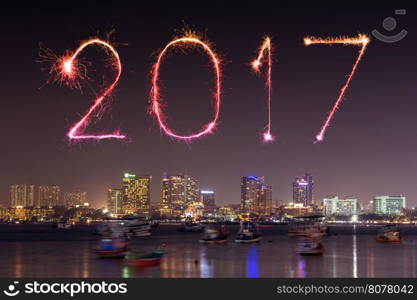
(213, 236)
(390, 234)
(191, 227)
(112, 247)
(307, 226)
(309, 246)
(128, 226)
(248, 233)
(148, 259)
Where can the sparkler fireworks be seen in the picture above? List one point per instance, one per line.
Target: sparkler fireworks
(70, 71)
(256, 64)
(361, 40)
(156, 100)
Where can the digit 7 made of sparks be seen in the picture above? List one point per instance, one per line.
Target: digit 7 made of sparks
(69, 70)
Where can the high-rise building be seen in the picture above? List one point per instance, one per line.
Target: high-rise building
(22, 195)
(250, 190)
(265, 200)
(115, 201)
(333, 205)
(177, 192)
(48, 195)
(136, 194)
(192, 190)
(389, 205)
(303, 190)
(75, 199)
(209, 203)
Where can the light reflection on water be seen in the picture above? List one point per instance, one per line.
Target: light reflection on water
(350, 255)
(252, 263)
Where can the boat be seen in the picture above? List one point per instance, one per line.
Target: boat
(191, 227)
(136, 226)
(248, 233)
(308, 225)
(149, 259)
(390, 234)
(129, 226)
(154, 224)
(112, 247)
(309, 246)
(64, 224)
(213, 236)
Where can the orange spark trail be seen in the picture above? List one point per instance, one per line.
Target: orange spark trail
(69, 72)
(256, 64)
(363, 41)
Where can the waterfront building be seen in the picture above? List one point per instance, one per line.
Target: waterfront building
(250, 190)
(178, 191)
(303, 190)
(226, 213)
(265, 201)
(194, 210)
(256, 196)
(192, 190)
(21, 213)
(136, 194)
(389, 205)
(333, 205)
(115, 201)
(22, 195)
(75, 199)
(48, 196)
(209, 203)
(292, 210)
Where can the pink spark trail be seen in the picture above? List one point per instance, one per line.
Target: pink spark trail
(362, 41)
(70, 71)
(256, 64)
(156, 100)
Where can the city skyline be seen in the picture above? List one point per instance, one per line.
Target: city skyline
(369, 149)
(187, 189)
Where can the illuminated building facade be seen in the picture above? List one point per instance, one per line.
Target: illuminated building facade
(294, 210)
(75, 199)
(194, 210)
(333, 205)
(115, 201)
(265, 201)
(226, 213)
(22, 195)
(209, 203)
(303, 190)
(25, 214)
(250, 189)
(178, 191)
(136, 194)
(389, 205)
(192, 190)
(48, 196)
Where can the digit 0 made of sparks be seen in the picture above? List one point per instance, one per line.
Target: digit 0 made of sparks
(363, 41)
(256, 64)
(156, 97)
(70, 73)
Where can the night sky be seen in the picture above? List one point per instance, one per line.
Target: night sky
(370, 148)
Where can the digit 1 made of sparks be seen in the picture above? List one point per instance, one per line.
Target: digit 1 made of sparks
(363, 41)
(70, 72)
(156, 99)
(256, 64)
